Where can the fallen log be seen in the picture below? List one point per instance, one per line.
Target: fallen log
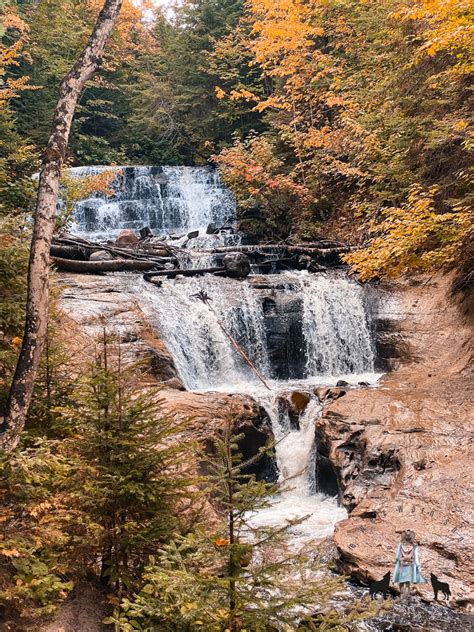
(321, 252)
(97, 267)
(282, 248)
(171, 274)
(69, 252)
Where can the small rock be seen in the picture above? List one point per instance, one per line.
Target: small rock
(364, 384)
(212, 229)
(174, 384)
(420, 465)
(160, 178)
(294, 404)
(193, 234)
(126, 238)
(321, 393)
(342, 383)
(299, 401)
(336, 393)
(100, 255)
(237, 265)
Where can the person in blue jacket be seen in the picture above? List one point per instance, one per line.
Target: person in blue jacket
(407, 565)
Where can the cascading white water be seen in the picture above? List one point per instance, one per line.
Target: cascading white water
(335, 328)
(167, 199)
(202, 352)
(314, 514)
(337, 343)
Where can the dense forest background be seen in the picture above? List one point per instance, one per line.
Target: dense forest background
(348, 114)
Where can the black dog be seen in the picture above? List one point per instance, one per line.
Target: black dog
(380, 586)
(440, 586)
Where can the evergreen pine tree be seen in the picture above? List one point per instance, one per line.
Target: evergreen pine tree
(133, 470)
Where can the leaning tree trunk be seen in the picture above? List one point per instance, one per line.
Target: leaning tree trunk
(45, 213)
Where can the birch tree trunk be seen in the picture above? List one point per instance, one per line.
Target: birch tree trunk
(36, 322)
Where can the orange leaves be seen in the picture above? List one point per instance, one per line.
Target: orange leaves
(10, 55)
(82, 188)
(256, 177)
(446, 25)
(10, 552)
(131, 37)
(413, 236)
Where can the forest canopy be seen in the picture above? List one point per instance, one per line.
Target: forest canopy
(323, 116)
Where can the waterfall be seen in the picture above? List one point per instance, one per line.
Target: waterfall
(335, 327)
(336, 344)
(203, 354)
(336, 331)
(296, 500)
(167, 199)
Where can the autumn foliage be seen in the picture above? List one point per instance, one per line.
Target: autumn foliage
(366, 105)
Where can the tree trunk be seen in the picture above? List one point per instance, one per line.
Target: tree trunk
(98, 267)
(38, 272)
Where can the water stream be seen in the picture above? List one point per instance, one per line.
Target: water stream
(300, 330)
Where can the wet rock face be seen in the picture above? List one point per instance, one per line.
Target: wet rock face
(206, 414)
(402, 453)
(325, 480)
(257, 434)
(285, 341)
(93, 303)
(392, 346)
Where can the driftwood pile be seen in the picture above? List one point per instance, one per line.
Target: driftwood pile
(73, 254)
(159, 259)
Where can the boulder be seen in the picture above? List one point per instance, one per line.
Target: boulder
(342, 383)
(126, 238)
(293, 404)
(100, 255)
(324, 393)
(145, 232)
(237, 265)
(299, 401)
(193, 234)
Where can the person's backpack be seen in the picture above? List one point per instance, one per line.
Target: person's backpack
(407, 556)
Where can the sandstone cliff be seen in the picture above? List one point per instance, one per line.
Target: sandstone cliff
(403, 451)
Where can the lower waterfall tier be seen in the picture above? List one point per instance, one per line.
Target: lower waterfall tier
(304, 327)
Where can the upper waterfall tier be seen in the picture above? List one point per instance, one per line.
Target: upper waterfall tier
(167, 199)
